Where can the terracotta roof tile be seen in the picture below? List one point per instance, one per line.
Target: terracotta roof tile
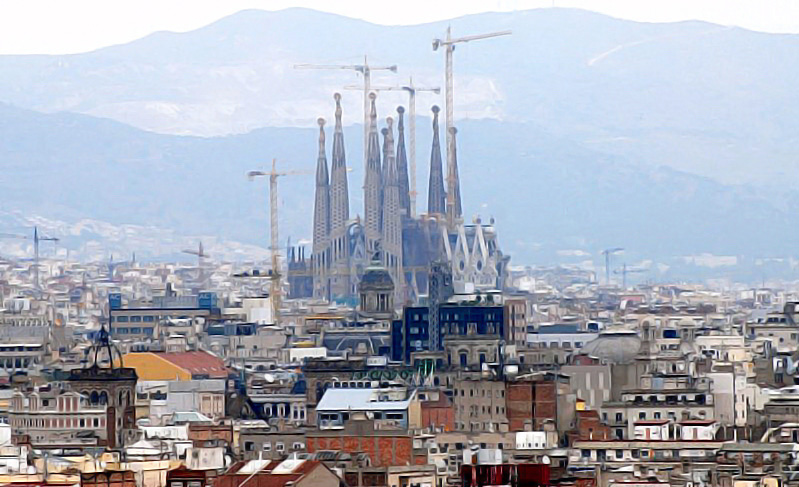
(198, 363)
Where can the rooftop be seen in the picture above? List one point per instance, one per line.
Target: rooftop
(361, 400)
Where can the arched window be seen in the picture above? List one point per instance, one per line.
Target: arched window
(94, 398)
(464, 359)
(103, 397)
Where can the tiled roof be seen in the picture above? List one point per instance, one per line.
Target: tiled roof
(198, 363)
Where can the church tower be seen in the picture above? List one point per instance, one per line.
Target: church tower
(339, 279)
(320, 259)
(436, 195)
(392, 215)
(372, 185)
(454, 209)
(402, 165)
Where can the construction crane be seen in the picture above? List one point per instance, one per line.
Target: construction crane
(412, 90)
(201, 255)
(366, 70)
(273, 232)
(628, 270)
(36, 239)
(449, 47)
(608, 253)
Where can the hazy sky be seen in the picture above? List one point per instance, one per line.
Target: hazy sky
(65, 26)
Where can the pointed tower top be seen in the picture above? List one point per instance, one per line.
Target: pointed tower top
(321, 122)
(454, 205)
(339, 159)
(373, 110)
(436, 195)
(321, 166)
(337, 97)
(402, 164)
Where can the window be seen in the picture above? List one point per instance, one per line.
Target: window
(279, 446)
(297, 446)
(266, 446)
(619, 454)
(619, 418)
(642, 415)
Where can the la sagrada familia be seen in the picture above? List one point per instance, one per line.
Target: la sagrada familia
(389, 232)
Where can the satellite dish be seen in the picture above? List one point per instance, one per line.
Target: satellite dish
(546, 460)
(269, 378)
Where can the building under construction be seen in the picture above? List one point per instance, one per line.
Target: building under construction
(406, 244)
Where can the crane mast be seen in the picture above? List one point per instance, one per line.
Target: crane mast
(449, 48)
(36, 239)
(366, 70)
(274, 248)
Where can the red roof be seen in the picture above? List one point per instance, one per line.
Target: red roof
(198, 363)
(265, 477)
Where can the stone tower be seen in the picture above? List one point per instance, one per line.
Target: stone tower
(372, 185)
(402, 165)
(320, 258)
(340, 280)
(454, 214)
(108, 382)
(436, 194)
(392, 215)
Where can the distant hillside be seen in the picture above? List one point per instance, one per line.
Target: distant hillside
(697, 97)
(548, 194)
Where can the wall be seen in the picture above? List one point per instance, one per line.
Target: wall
(383, 450)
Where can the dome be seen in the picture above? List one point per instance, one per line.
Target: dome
(376, 278)
(613, 346)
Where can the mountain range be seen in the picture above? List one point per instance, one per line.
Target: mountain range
(577, 132)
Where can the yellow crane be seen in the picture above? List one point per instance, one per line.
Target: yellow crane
(275, 275)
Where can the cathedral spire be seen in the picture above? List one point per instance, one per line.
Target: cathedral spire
(402, 165)
(436, 194)
(339, 191)
(454, 209)
(391, 243)
(321, 219)
(372, 183)
(339, 245)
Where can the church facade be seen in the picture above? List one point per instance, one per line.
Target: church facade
(343, 247)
